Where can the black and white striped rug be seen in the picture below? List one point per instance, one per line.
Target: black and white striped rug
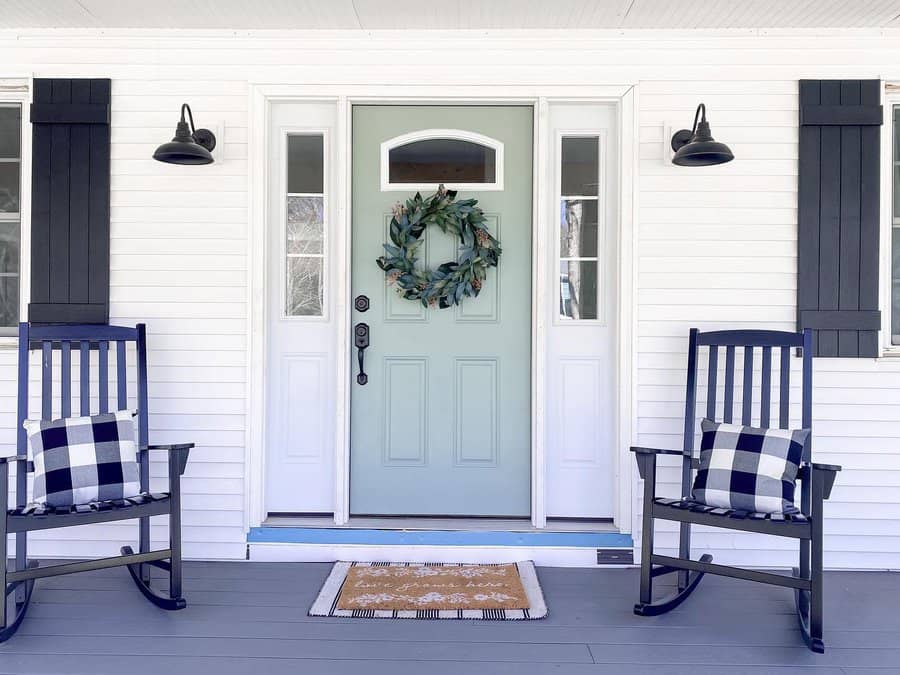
(326, 604)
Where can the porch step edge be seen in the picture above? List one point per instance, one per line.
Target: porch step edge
(382, 537)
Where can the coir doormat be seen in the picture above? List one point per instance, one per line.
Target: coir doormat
(431, 591)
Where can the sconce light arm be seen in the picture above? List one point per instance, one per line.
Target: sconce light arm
(186, 107)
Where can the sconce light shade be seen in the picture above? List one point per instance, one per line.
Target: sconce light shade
(190, 145)
(697, 147)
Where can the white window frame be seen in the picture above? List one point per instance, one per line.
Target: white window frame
(18, 91)
(600, 135)
(891, 99)
(285, 134)
(436, 134)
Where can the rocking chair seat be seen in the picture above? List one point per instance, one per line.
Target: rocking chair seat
(104, 505)
(792, 525)
(697, 507)
(33, 517)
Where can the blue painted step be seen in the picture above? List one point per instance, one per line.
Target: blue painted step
(337, 535)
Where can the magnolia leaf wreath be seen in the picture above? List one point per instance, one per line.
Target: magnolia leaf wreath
(451, 281)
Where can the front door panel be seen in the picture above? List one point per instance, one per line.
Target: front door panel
(442, 425)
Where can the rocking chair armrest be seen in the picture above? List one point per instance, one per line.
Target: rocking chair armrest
(817, 466)
(827, 473)
(13, 458)
(178, 455)
(654, 451)
(646, 458)
(171, 446)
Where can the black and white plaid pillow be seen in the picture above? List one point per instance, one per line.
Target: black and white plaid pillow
(78, 460)
(749, 468)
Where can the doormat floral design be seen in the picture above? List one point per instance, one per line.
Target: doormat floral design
(431, 591)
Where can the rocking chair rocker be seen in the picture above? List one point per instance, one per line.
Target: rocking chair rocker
(23, 519)
(816, 481)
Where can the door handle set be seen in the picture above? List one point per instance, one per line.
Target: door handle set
(361, 341)
(361, 338)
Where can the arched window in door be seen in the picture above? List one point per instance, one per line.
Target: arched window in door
(459, 159)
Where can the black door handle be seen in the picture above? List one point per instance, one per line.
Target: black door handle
(361, 340)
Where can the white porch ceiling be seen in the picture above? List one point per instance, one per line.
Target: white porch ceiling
(450, 14)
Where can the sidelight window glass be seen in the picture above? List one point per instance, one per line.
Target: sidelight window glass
(305, 222)
(580, 234)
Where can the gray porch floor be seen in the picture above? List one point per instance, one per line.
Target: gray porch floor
(251, 618)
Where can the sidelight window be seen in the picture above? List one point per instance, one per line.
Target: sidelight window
(580, 232)
(305, 221)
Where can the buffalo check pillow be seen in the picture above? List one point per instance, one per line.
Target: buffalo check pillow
(749, 468)
(78, 460)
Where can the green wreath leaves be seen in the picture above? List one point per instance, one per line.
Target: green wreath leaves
(451, 281)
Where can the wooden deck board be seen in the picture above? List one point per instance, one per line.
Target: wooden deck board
(251, 618)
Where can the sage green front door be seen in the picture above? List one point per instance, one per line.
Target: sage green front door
(442, 425)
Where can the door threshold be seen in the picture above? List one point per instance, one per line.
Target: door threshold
(442, 523)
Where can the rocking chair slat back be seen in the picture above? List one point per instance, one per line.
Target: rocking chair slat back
(747, 395)
(121, 376)
(84, 379)
(765, 387)
(729, 384)
(84, 340)
(748, 341)
(65, 393)
(46, 381)
(103, 376)
(142, 413)
(784, 397)
(711, 382)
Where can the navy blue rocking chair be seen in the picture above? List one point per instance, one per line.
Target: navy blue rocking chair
(816, 479)
(88, 341)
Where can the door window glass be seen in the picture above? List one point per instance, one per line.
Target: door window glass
(443, 160)
(453, 157)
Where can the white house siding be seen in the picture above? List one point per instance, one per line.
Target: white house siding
(715, 247)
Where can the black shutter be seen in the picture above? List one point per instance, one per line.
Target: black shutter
(70, 201)
(838, 223)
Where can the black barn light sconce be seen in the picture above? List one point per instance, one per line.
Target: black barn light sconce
(697, 147)
(190, 145)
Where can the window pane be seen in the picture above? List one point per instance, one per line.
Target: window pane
(304, 286)
(897, 133)
(305, 225)
(9, 187)
(580, 165)
(442, 160)
(9, 273)
(10, 131)
(578, 289)
(578, 228)
(9, 302)
(306, 164)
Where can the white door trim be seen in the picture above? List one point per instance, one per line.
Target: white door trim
(261, 98)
